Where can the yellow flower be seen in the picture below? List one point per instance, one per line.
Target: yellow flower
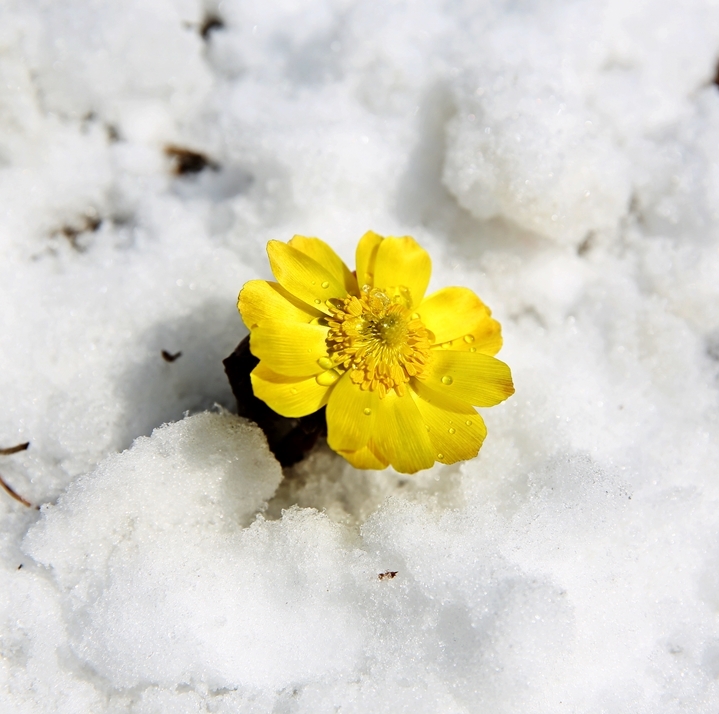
(398, 372)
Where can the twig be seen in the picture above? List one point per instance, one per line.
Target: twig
(14, 493)
(11, 491)
(14, 449)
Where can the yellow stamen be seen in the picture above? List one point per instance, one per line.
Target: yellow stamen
(378, 340)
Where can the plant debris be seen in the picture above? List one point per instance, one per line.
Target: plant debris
(209, 25)
(88, 223)
(387, 575)
(186, 161)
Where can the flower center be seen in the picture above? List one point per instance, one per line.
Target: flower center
(377, 340)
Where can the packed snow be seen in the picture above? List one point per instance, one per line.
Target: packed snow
(561, 159)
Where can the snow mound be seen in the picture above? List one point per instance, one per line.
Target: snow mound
(173, 587)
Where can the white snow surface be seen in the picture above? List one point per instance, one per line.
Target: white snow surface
(559, 158)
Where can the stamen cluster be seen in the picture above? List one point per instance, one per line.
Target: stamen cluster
(378, 340)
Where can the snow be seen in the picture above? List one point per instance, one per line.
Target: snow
(561, 159)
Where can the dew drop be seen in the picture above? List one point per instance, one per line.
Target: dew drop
(468, 422)
(415, 316)
(325, 285)
(318, 302)
(440, 456)
(451, 430)
(293, 390)
(325, 363)
(472, 349)
(327, 378)
(469, 338)
(447, 380)
(367, 411)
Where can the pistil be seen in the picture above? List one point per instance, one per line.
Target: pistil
(378, 340)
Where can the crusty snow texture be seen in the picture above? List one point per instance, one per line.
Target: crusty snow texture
(561, 158)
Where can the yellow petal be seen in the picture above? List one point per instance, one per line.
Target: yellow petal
(351, 415)
(458, 316)
(260, 301)
(290, 348)
(472, 377)
(456, 431)
(327, 258)
(365, 257)
(400, 434)
(303, 276)
(403, 262)
(288, 396)
(365, 458)
(485, 337)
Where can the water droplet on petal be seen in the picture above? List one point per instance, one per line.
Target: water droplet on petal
(325, 363)
(293, 390)
(472, 349)
(468, 422)
(367, 411)
(451, 430)
(440, 456)
(415, 316)
(447, 380)
(325, 285)
(469, 338)
(327, 378)
(318, 302)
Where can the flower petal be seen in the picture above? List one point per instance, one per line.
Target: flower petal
(351, 415)
(365, 257)
(288, 396)
(327, 258)
(260, 301)
(303, 276)
(403, 262)
(365, 458)
(458, 316)
(472, 377)
(456, 431)
(400, 434)
(290, 348)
